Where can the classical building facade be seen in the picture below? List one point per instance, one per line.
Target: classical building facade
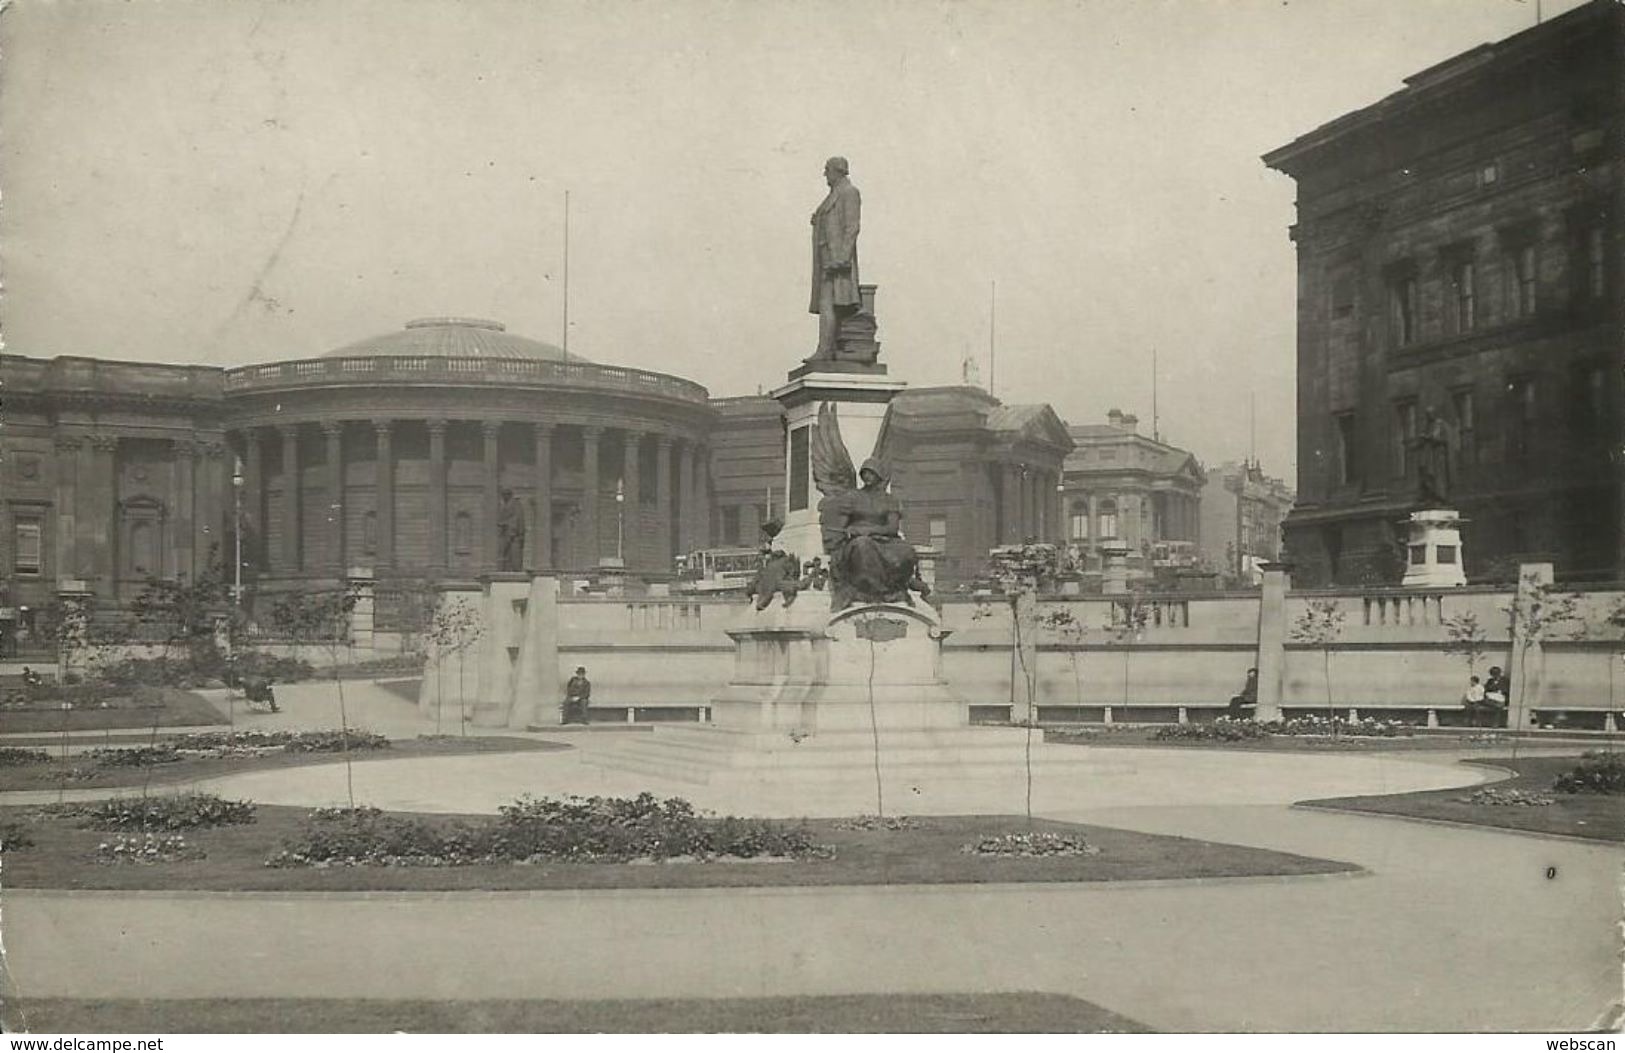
(1460, 277)
(390, 455)
(1133, 489)
(1242, 513)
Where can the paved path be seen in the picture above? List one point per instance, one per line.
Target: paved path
(1451, 929)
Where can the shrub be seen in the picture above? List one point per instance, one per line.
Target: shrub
(573, 829)
(167, 812)
(131, 756)
(14, 835)
(1224, 729)
(1599, 771)
(1031, 845)
(16, 757)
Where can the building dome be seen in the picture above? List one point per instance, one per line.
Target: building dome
(454, 338)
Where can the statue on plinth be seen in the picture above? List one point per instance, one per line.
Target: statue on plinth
(835, 293)
(510, 533)
(869, 559)
(1430, 452)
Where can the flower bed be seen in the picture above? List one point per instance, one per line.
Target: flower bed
(14, 835)
(16, 757)
(211, 742)
(877, 822)
(1599, 771)
(131, 756)
(163, 812)
(147, 848)
(532, 830)
(1513, 797)
(1369, 727)
(1034, 845)
(1224, 729)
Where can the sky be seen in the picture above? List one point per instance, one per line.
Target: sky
(226, 183)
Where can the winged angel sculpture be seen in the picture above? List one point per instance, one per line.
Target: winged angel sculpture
(869, 560)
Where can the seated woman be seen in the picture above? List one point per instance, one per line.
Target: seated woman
(869, 559)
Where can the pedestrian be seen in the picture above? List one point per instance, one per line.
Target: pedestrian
(1247, 699)
(1473, 702)
(577, 696)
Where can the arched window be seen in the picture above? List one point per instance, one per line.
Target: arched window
(1079, 530)
(462, 533)
(1108, 518)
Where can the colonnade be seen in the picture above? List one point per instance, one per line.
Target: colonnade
(424, 509)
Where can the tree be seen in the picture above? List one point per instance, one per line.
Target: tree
(1321, 625)
(1070, 630)
(452, 630)
(1129, 618)
(187, 614)
(321, 618)
(1536, 610)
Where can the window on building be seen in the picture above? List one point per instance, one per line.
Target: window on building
(1464, 296)
(937, 529)
(28, 545)
(462, 533)
(1342, 296)
(1402, 305)
(1346, 470)
(1593, 284)
(1461, 405)
(1108, 519)
(1404, 435)
(1520, 417)
(730, 525)
(369, 534)
(1489, 174)
(1078, 526)
(1521, 282)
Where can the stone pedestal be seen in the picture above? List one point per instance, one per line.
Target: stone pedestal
(1114, 568)
(860, 396)
(1434, 550)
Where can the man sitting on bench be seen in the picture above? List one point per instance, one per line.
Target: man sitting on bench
(1247, 700)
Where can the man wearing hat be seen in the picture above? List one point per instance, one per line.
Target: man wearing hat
(577, 693)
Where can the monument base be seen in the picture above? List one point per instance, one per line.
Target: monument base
(819, 703)
(1434, 557)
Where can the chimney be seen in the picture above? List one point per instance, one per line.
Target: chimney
(1115, 418)
(1130, 422)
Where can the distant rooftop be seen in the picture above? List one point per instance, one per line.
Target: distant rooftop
(452, 337)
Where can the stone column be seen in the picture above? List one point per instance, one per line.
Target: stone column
(1271, 662)
(1057, 509)
(182, 453)
(384, 494)
(589, 491)
(290, 498)
(702, 497)
(437, 495)
(631, 475)
(685, 500)
(1010, 533)
(663, 521)
(66, 561)
(212, 543)
(489, 554)
(333, 430)
(97, 495)
(542, 529)
(253, 500)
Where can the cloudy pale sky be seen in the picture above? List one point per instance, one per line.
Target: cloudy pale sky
(198, 181)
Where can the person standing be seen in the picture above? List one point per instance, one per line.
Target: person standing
(577, 695)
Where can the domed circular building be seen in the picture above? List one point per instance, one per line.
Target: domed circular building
(391, 453)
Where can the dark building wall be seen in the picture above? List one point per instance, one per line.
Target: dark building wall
(1426, 225)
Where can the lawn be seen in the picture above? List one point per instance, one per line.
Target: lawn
(64, 857)
(1423, 739)
(55, 774)
(1022, 1013)
(1597, 817)
(179, 709)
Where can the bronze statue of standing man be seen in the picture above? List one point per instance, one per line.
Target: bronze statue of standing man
(835, 256)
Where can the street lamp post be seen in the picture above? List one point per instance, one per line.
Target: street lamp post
(620, 521)
(237, 532)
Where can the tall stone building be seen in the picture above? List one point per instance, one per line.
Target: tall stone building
(1460, 275)
(1122, 486)
(1242, 512)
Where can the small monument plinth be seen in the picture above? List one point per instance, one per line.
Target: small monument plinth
(1433, 549)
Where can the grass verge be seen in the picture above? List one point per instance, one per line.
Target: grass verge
(1596, 817)
(53, 775)
(869, 1014)
(179, 709)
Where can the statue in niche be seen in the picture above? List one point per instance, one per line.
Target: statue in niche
(510, 533)
(869, 559)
